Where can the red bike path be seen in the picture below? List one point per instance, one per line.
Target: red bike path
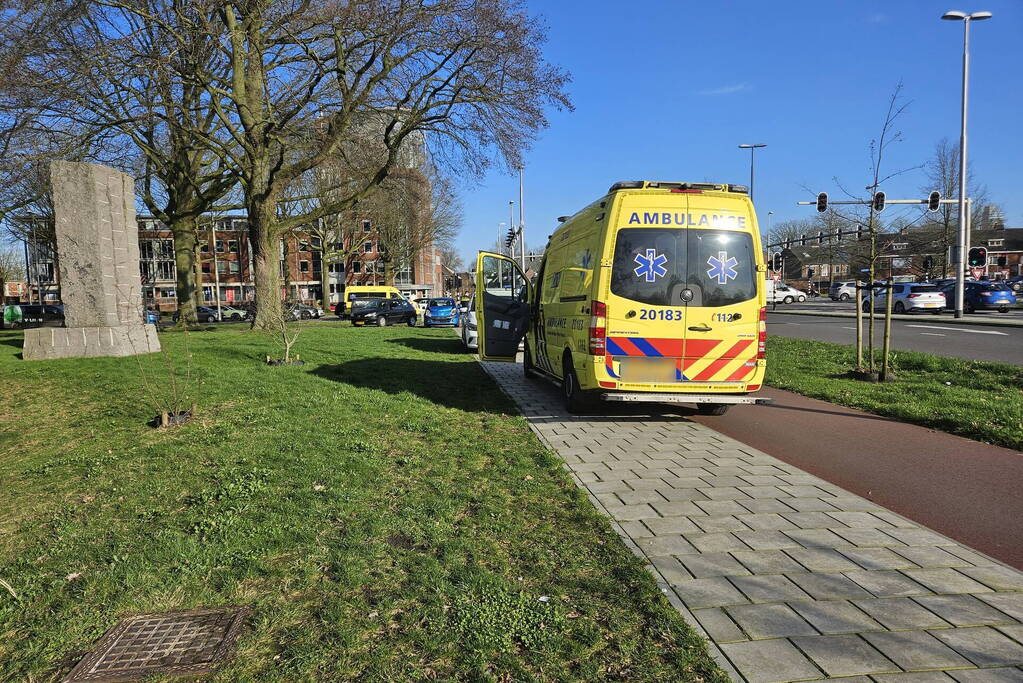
(969, 491)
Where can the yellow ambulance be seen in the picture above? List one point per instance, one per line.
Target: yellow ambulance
(354, 292)
(654, 292)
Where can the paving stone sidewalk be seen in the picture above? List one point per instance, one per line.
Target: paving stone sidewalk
(790, 577)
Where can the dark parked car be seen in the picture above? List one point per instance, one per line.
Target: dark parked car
(383, 312)
(205, 314)
(979, 295)
(42, 314)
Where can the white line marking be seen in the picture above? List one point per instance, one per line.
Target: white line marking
(933, 334)
(955, 329)
(848, 328)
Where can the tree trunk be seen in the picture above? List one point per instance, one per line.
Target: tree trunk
(185, 239)
(325, 283)
(261, 215)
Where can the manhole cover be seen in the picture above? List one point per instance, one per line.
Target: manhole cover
(189, 642)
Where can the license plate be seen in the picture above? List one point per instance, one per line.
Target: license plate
(930, 305)
(652, 370)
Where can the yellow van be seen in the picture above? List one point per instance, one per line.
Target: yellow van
(654, 292)
(353, 292)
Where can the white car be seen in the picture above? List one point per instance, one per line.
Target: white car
(907, 298)
(469, 335)
(783, 294)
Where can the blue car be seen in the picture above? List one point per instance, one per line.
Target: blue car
(979, 295)
(443, 311)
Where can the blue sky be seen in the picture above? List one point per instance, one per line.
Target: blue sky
(667, 90)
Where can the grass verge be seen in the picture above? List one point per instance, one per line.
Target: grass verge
(380, 508)
(978, 400)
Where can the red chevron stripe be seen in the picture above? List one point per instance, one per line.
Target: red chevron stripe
(671, 348)
(627, 346)
(744, 370)
(722, 361)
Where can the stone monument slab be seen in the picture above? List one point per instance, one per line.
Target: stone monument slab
(98, 256)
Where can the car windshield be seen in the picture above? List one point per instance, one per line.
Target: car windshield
(995, 288)
(363, 304)
(441, 302)
(923, 288)
(655, 266)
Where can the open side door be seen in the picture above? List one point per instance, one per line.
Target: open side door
(502, 306)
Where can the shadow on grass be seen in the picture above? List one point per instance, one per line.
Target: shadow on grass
(463, 386)
(432, 344)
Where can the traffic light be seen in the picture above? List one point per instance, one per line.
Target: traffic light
(977, 257)
(822, 202)
(1003, 261)
(879, 201)
(511, 238)
(934, 201)
(928, 262)
(809, 273)
(776, 261)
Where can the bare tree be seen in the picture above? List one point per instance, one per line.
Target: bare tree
(146, 82)
(467, 75)
(871, 220)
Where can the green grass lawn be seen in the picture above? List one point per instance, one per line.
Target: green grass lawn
(975, 399)
(381, 509)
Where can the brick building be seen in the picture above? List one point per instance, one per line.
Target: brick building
(225, 256)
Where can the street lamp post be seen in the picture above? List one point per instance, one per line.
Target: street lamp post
(956, 15)
(752, 148)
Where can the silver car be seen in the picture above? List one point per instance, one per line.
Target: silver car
(842, 291)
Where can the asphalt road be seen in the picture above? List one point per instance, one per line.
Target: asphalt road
(826, 304)
(966, 490)
(926, 333)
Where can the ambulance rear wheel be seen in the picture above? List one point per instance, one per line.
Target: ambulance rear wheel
(576, 400)
(712, 408)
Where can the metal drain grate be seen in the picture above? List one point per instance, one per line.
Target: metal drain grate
(177, 643)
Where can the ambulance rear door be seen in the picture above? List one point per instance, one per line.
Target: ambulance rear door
(723, 306)
(502, 306)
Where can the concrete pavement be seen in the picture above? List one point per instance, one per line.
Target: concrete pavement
(791, 577)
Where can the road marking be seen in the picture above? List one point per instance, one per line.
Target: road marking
(955, 329)
(848, 328)
(933, 334)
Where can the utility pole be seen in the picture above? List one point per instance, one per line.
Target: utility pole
(752, 148)
(963, 245)
(522, 227)
(216, 268)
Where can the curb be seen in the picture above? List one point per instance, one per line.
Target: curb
(902, 316)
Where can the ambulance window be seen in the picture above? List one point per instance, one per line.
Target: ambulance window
(649, 265)
(722, 270)
(501, 278)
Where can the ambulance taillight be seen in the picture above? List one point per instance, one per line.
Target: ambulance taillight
(598, 328)
(762, 336)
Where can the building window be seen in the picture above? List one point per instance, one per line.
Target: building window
(221, 267)
(303, 266)
(365, 226)
(165, 270)
(240, 224)
(232, 246)
(403, 277)
(995, 243)
(317, 265)
(356, 267)
(206, 267)
(900, 246)
(204, 248)
(367, 247)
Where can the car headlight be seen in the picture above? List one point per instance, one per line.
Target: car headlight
(471, 326)
(371, 315)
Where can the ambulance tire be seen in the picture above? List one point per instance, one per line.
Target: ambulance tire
(576, 400)
(527, 363)
(712, 408)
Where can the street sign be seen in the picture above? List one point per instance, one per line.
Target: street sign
(776, 277)
(976, 272)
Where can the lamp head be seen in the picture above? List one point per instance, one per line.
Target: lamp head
(979, 16)
(953, 15)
